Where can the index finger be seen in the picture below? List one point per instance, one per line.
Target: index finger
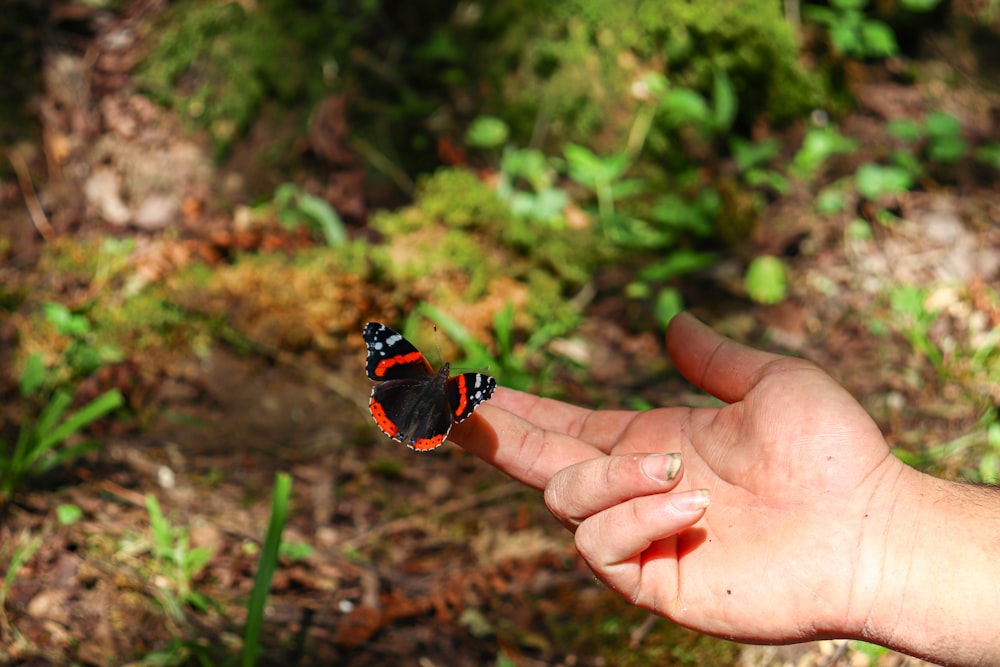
(603, 429)
(528, 452)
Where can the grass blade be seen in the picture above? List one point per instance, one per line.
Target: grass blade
(97, 408)
(265, 568)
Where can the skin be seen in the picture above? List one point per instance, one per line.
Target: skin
(780, 517)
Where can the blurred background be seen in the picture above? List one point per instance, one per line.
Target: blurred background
(202, 203)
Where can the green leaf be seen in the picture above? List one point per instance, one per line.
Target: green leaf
(32, 376)
(68, 514)
(818, 146)
(683, 106)
(905, 129)
(830, 200)
(586, 168)
(766, 280)
(163, 534)
(944, 138)
(878, 39)
(676, 264)
(874, 180)
(296, 551)
(487, 132)
(989, 468)
(989, 154)
(668, 303)
(530, 164)
(92, 411)
(325, 218)
(751, 154)
(65, 321)
(724, 101)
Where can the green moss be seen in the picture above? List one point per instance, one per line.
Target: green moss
(458, 240)
(216, 62)
(576, 61)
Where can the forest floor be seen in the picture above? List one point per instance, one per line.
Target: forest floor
(405, 559)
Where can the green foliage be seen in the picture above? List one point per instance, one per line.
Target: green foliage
(941, 134)
(851, 32)
(514, 365)
(42, 440)
(296, 208)
(874, 180)
(569, 68)
(818, 146)
(266, 565)
(487, 132)
(989, 154)
(15, 553)
(913, 319)
(459, 241)
(67, 514)
(84, 354)
(989, 464)
(176, 561)
(767, 280)
(753, 160)
(873, 652)
(976, 454)
(215, 63)
(944, 138)
(539, 199)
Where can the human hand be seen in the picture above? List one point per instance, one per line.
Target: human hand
(801, 482)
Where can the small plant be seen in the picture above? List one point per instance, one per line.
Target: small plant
(83, 355)
(851, 32)
(818, 146)
(943, 143)
(41, 442)
(752, 160)
(296, 208)
(528, 185)
(875, 180)
(15, 554)
(989, 464)
(915, 321)
(767, 280)
(266, 566)
(177, 561)
(510, 364)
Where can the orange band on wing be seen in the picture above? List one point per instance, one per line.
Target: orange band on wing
(387, 363)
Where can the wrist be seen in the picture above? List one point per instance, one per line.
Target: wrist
(934, 585)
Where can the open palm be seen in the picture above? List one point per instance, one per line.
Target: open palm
(792, 465)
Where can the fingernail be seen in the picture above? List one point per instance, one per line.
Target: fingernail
(691, 501)
(661, 467)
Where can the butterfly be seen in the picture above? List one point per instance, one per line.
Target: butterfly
(413, 403)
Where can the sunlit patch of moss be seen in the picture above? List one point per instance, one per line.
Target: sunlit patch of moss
(460, 199)
(309, 301)
(457, 246)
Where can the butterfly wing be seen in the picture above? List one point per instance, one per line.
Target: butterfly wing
(407, 412)
(466, 391)
(392, 357)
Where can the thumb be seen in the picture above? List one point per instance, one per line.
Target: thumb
(722, 367)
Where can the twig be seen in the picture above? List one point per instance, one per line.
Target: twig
(30, 197)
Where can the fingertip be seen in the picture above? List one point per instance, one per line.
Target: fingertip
(661, 467)
(692, 501)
